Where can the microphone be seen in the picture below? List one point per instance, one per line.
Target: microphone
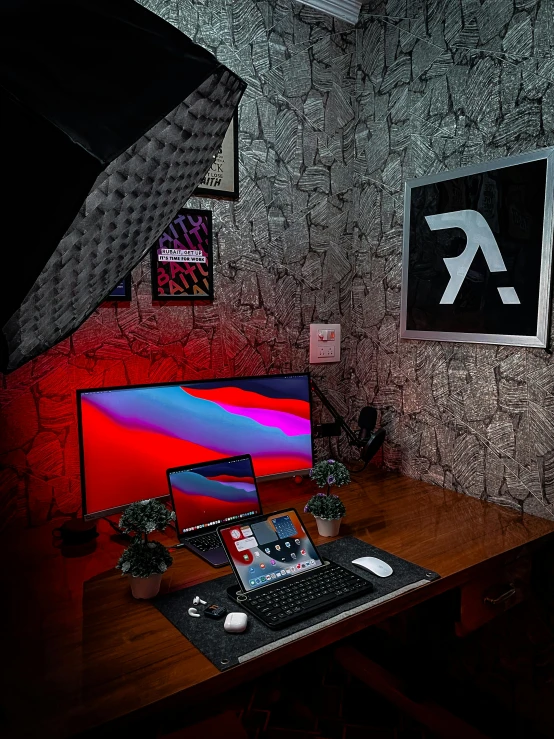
(367, 440)
(373, 443)
(366, 421)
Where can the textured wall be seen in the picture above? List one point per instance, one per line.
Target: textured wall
(333, 121)
(282, 253)
(443, 85)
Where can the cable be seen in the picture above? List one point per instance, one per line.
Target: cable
(116, 528)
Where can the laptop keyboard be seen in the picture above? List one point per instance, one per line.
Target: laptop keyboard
(279, 605)
(206, 542)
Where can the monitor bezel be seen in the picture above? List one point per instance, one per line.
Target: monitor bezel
(264, 517)
(187, 468)
(118, 509)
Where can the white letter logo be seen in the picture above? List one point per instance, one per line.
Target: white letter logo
(478, 234)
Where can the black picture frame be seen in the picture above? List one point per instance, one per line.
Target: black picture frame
(122, 291)
(186, 270)
(478, 253)
(222, 179)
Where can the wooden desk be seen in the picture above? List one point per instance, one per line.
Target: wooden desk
(82, 652)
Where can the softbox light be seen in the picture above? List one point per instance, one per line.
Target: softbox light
(111, 117)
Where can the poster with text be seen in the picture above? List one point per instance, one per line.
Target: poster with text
(222, 179)
(182, 258)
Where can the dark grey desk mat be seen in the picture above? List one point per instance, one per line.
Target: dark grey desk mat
(226, 650)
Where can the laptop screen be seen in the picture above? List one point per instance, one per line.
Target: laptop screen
(271, 548)
(213, 493)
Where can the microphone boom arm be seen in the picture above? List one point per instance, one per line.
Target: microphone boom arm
(353, 439)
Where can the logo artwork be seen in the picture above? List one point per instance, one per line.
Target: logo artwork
(478, 234)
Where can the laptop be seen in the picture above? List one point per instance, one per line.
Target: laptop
(282, 577)
(208, 494)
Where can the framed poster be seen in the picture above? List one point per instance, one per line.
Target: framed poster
(181, 258)
(122, 291)
(477, 256)
(222, 179)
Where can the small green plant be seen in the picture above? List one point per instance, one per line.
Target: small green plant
(144, 558)
(325, 474)
(325, 505)
(328, 473)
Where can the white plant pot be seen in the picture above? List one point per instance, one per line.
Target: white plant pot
(328, 526)
(145, 587)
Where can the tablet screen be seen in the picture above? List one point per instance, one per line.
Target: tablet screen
(270, 548)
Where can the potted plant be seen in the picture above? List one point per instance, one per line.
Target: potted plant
(144, 562)
(327, 509)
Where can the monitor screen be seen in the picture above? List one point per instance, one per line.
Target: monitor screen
(130, 436)
(271, 548)
(213, 493)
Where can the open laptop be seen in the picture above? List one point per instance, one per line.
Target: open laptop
(208, 494)
(282, 577)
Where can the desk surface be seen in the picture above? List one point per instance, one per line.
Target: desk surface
(82, 652)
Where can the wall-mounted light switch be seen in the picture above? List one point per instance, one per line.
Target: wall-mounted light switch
(324, 343)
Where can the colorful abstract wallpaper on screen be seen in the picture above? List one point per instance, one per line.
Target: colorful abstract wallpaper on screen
(215, 493)
(131, 436)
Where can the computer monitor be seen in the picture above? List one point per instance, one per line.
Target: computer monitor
(130, 436)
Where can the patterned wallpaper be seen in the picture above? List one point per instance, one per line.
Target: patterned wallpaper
(333, 120)
(283, 253)
(443, 85)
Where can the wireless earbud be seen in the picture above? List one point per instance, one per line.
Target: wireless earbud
(194, 613)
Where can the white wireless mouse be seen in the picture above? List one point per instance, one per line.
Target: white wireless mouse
(374, 565)
(235, 622)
